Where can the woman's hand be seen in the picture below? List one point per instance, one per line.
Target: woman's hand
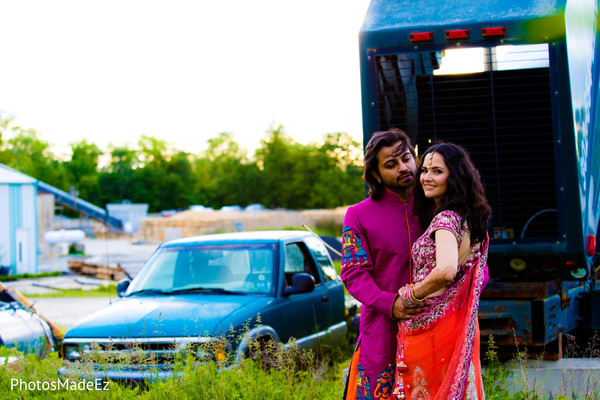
(401, 312)
(408, 298)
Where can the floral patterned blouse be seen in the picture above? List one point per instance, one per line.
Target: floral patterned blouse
(423, 250)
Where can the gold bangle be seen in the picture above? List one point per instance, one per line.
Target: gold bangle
(414, 297)
(406, 299)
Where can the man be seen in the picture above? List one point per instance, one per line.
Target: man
(376, 240)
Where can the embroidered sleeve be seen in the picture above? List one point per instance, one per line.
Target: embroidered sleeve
(448, 220)
(353, 250)
(355, 245)
(357, 267)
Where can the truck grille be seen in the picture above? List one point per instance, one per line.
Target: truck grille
(142, 350)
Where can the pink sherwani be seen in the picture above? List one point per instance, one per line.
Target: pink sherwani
(376, 242)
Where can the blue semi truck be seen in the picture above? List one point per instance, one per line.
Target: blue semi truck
(516, 83)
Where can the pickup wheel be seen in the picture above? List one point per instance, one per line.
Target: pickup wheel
(264, 351)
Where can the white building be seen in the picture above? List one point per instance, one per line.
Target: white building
(18, 222)
(129, 214)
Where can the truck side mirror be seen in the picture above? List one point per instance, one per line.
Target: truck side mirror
(301, 283)
(122, 287)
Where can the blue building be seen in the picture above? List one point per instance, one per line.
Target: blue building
(18, 222)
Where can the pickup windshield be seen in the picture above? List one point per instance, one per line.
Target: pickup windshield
(227, 268)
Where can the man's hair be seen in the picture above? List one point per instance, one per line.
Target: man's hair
(377, 141)
(465, 192)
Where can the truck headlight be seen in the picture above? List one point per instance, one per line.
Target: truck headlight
(71, 351)
(74, 351)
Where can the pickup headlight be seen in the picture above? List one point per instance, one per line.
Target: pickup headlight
(73, 351)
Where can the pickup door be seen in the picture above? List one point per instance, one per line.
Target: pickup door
(302, 314)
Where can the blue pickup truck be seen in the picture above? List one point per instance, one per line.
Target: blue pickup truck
(214, 295)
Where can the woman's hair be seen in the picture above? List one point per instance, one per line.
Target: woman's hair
(379, 140)
(465, 193)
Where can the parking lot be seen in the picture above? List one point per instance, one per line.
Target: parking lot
(129, 254)
(65, 311)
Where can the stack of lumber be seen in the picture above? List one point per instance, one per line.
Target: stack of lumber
(97, 271)
(189, 223)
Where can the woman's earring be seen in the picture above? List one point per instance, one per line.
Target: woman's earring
(379, 180)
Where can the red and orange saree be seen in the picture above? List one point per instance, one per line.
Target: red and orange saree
(440, 347)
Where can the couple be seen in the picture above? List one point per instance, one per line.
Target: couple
(414, 254)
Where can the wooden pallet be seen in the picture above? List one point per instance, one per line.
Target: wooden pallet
(97, 270)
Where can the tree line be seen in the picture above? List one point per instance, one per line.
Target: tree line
(282, 173)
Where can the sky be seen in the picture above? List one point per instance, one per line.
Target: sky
(182, 71)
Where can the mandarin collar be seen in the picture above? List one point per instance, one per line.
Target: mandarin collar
(393, 197)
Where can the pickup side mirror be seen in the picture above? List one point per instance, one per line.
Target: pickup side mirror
(301, 283)
(122, 287)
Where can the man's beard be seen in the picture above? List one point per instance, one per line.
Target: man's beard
(401, 184)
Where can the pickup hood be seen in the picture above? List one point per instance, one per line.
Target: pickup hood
(198, 314)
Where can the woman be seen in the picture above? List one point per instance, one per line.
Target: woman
(438, 351)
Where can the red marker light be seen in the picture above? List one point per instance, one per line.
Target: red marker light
(421, 37)
(457, 34)
(590, 245)
(493, 32)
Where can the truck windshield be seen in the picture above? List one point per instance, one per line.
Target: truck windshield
(246, 268)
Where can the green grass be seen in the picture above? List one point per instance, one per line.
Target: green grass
(10, 278)
(101, 291)
(298, 375)
(338, 266)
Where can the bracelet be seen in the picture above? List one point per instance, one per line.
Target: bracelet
(406, 297)
(414, 297)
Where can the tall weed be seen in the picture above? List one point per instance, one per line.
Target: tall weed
(511, 381)
(291, 374)
(294, 374)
